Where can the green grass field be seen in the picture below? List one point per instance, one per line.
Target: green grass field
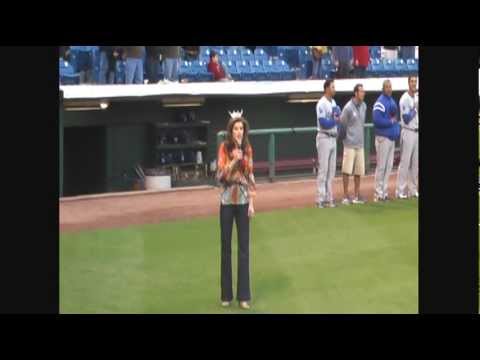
(352, 259)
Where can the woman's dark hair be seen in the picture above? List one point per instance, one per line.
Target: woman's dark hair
(212, 54)
(230, 142)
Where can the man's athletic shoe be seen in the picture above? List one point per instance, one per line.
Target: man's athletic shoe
(331, 204)
(358, 200)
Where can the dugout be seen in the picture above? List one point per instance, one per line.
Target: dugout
(106, 130)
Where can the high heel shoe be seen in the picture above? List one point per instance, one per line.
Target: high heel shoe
(244, 305)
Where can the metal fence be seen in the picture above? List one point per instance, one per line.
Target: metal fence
(368, 128)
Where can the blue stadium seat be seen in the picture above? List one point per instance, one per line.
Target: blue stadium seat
(268, 68)
(186, 71)
(369, 72)
(375, 52)
(290, 56)
(388, 67)
(277, 70)
(400, 67)
(327, 66)
(376, 68)
(412, 66)
(260, 54)
(245, 70)
(272, 51)
(232, 69)
(247, 55)
(258, 71)
(304, 55)
(275, 73)
(204, 57)
(306, 69)
(67, 74)
(233, 55)
(286, 71)
(200, 71)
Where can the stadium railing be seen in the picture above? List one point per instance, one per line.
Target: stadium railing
(368, 128)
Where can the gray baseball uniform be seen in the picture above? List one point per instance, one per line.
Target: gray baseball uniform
(385, 149)
(327, 151)
(408, 168)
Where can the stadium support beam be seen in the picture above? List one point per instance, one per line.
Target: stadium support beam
(60, 137)
(271, 157)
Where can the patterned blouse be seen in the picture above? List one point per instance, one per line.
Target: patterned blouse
(236, 180)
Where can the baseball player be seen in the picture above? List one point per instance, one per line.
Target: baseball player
(408, 168)
(353, 119)
(328, 117)
(387, 130)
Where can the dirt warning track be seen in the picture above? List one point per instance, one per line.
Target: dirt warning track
(107, 211)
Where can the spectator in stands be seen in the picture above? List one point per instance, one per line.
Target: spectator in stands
(107, 65)
(134, 66)
(390, 52)
(218, 71)
(343, 60)
(117, 56)
(407, 52)
(316, 70)
(361, 58)
(191, 52)
(154, 58)
(171, 60)
(65, 53)
(84, 61)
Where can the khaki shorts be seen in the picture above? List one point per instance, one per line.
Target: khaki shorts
(353, 161)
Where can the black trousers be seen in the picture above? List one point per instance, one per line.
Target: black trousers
(227, 214)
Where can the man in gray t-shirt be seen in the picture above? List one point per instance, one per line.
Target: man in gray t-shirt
(353, 119)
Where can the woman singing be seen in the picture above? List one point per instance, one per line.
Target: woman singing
(235, 174)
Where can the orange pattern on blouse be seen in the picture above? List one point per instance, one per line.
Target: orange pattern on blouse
(237, 180)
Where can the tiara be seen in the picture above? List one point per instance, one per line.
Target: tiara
(235, 114)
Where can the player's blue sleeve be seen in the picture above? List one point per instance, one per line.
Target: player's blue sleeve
(409, 116)
(323, 121)
(408, 112)
(326, 123)
(381, 119)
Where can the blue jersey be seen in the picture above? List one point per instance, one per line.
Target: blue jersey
(384, 110)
